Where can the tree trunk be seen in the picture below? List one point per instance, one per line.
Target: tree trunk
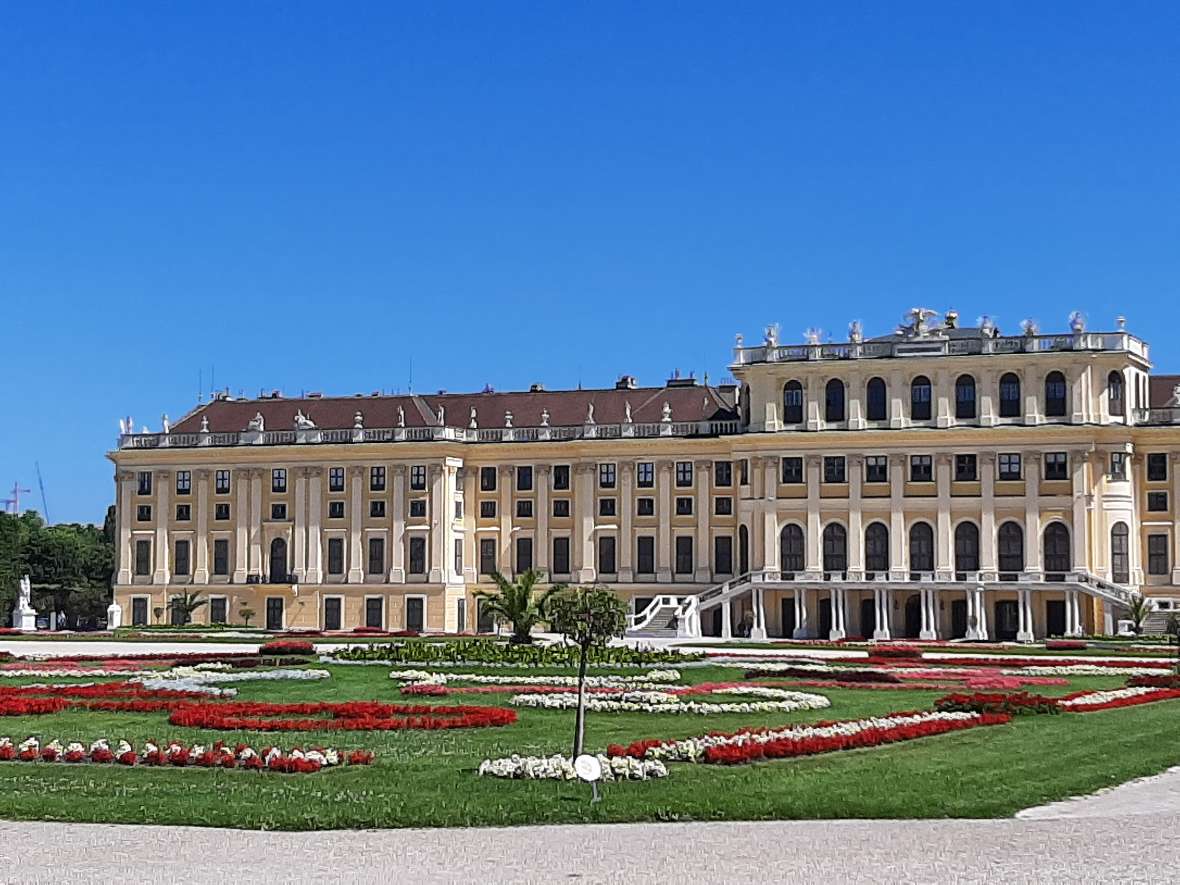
(580, 720)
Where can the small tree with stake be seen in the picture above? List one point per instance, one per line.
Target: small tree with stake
(588, 617)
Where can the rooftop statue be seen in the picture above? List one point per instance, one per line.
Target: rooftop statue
(442, 416)
(401, 417)
(165, 424)
(666, 413)
(473, 423)
(257, 423)
(204, 424)
(627, 412)
(590, 413)
(544, 417)
(507, 418)
(1077, 322)
(1174, 402)
(771, 339)
(358, 421)
(302, 422)
(856, 332)
(919, 322)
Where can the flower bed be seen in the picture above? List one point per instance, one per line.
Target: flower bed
(349, 716)
(488, 652)
(806, 671)
(1014, 703)
(1171, 680)
(807, 740)
(906, 652)
(1120, 669)
(286, 647)
(1065, 645)
(1092, 701)
(218, 755)
(614, 768)
(423, 676)
(778, 701)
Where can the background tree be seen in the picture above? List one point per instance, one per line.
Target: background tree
(184, 604)
(517, 603)
(589, 617)
(1138, 608)
(247, 613)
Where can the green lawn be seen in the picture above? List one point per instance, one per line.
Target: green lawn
(428, 778)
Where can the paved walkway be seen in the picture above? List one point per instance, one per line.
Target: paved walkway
(1159, 794)
(1137, 849)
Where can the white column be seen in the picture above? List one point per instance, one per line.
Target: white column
(1174, 467)
(1025, 628)
(802, 627)
(507, 479)
(356, 571)
(314, 544)
(930, 615)
(944, 393)
(881, 609)
(897, 534)
(299, 524)
(584, 502)
(163, 481)
(987, 518)
(541, 545)
(1032, 513)
(981, 612)
(436, 572)
(451, 468)
(397, 533)
(814, 540)
(470, 514)
(972, 615)
(125, 481)
(944, 535)
(726, 620)
(1080, 540)
(241, 515)
(255, 562)
(664, 538)
(836, 602)
(704, 571)
(201, 542)
(856, 545)
(759, 629)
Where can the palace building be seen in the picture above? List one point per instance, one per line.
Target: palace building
(941, 481)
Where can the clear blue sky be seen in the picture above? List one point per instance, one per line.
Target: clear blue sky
(305, 195)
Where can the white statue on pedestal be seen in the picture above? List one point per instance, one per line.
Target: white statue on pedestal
(24, 616)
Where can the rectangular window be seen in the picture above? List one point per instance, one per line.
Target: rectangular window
(606, 507)
(332, 619)
(487, 479)
(1056, 465)
(376, 479)
(561, 556)
(377, 509)
(458, 556)
(375, 612)
(834, 469)
(524, 555)
(418, 508)
(181, 563)
(184, 512)
(145, 482)
(561, 477)
(335, 479)
(143, 557)
(221, 557)
(335, 556)
(966, 468)
(524, 509)
(487, 509)
(1009, 466)
(221, 512)
(792, 471)
(744, 471)
(684, 506)
(335, 510)
(417, 555)
(487, 556)
(921, 468)
(606, 555)
(561, 507)
(684, 554)
(645, 506)
(278, 511)
(722, 474)
(524, 479)
(143, 513)
(459, 508)
(877, 468)
(683, 474)
(376, 556)
(645, 555)
(606, 476)
(278, 480)
(218, 610)
(1157, 554)
(1157, 467)
(184, 482)
(1118, 465)
(1157, 502)
(418, 477)
(221, 482)
(723, 506)
(645, 475)
(723, 555)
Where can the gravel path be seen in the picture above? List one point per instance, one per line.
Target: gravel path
(1136, 849)
(1159, 794)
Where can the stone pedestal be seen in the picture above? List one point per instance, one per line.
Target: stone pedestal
(24, 618)
(114, 616)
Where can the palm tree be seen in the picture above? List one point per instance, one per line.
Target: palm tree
(515, 603)
(184, 604)
(1138, 607)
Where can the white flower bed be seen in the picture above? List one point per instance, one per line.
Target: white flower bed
(663, 702)
(693, 749)
(207, 681)
(614, 768)
(67, 673)
(420, 677)
(1102, 697)
(1084, 670)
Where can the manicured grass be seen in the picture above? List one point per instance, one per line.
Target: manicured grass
(428, 778)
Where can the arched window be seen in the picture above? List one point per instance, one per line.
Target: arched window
(1056, 551)
(835, 548)
(966, 548)
(1054, 395)
(920, 399)
(877, 548)
(1010, 540)
(278, 561)
(834, 401)
(791, 549)
(1115, 396)
(921, 548)
(965, 398)
(793, 403)
(876, 401)
(1120, 553)
(1009, 396)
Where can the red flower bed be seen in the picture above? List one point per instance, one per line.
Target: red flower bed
(287, 647)
(1162, 694)
(1065, 644)
(1014, 703)
(351, 716)
(428, 689)
(905, 652)
(1171, 680)
(17, 706)
(849, 676)
(997, 661)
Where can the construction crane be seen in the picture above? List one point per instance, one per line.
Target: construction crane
(41, 484)
(12, 505)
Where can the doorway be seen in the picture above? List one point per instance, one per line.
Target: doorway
(278, 561)
(1055, 617)
(274, 613)
(868, 617)
(1007, 620)
(913, 616)
(415, 614)
(332, 613)
(959, 618)
(787, 612)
